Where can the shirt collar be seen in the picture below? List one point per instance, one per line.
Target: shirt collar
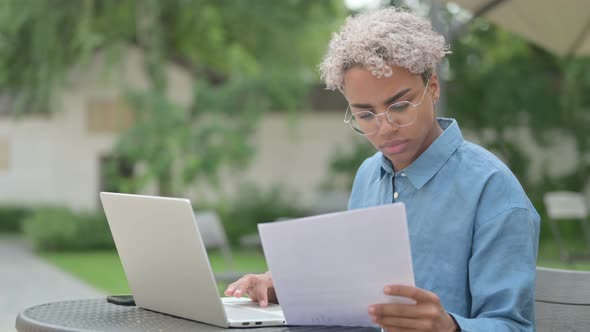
(431, 160)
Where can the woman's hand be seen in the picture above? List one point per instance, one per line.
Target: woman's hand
(258, 287)
(427, 314)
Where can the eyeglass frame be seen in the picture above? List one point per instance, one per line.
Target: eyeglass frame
(349, 121)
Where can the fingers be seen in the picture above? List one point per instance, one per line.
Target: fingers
(260, 292)
(241, 286)
(231, 289)
(427, 314)
(255, 286)
(403, 310)
(415, 293)
(402, 317)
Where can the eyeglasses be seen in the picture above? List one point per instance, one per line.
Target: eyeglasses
(400, 114)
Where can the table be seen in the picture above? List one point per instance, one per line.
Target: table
(99, 315)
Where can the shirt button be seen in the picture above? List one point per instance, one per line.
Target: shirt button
(395, 195)
(403, 174)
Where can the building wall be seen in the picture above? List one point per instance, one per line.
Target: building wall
(53, 161)
(294, 153)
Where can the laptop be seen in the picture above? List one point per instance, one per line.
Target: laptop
(166, 263)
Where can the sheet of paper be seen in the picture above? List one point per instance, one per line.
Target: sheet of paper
(328, 269)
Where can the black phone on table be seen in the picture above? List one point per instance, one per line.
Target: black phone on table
(121, 299)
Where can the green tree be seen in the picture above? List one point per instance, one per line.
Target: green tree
(501, 82)
(246, 56)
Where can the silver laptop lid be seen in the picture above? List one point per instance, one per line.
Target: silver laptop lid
(173, 279)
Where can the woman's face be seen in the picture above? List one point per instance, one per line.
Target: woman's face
(365, 92)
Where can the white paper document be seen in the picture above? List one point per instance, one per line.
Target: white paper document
(328, 269)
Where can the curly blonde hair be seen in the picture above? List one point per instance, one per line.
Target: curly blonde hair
(377, 39)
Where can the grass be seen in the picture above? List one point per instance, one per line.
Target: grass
(579, 266)
(549, 256)
(103, 270)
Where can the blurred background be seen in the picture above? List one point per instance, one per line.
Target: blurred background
(220, 101)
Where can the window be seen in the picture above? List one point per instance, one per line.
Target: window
(107, 116)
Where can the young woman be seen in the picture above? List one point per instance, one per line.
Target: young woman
(473, 231)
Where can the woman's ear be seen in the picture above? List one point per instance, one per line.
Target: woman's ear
(434, 87)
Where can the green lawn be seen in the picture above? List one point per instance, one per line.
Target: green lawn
(549, 256)
(580, 266)
(103, 269)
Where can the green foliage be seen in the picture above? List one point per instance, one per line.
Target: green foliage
(103, 270)
(500, 83)
(178, 145)
(246, 56)
(11, 218)
(214, 39)
(252, 206)
(40, 42)
(345, 163)
(59, 229)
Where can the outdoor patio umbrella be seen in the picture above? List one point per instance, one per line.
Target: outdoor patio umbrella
(562, 27)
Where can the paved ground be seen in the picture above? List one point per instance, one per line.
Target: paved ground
(26, 280)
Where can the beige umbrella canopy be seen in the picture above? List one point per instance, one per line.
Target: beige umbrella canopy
(562, 27)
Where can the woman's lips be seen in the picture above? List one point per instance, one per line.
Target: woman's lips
(394, 147)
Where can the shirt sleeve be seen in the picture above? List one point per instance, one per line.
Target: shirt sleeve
(502, 272)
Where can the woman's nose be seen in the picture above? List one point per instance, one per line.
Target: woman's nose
(386, 127)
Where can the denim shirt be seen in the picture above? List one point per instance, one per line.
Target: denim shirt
(473, 231)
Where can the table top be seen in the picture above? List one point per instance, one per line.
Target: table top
(99, 315)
